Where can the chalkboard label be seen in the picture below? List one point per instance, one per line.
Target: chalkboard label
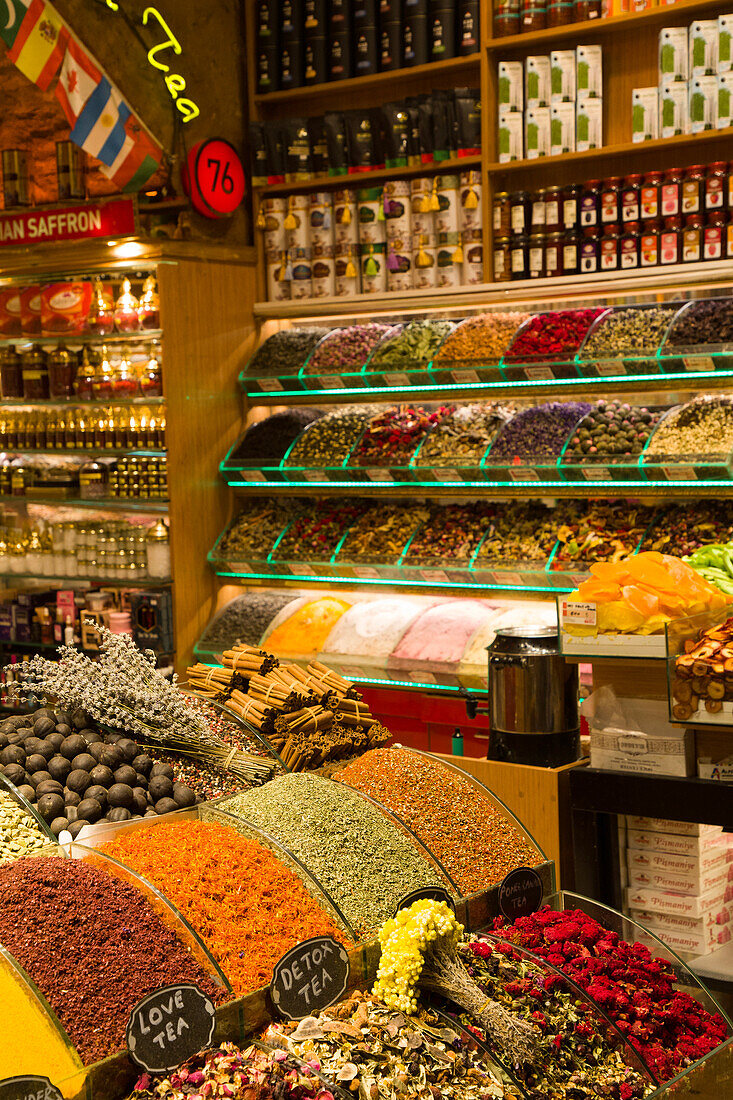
(520, 893)
(169, 1026)
(310, 977)
(28, 1087)
(433, 893)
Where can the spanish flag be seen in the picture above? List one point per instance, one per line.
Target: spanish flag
(39, 44)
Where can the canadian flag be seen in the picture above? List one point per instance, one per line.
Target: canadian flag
(78, 78)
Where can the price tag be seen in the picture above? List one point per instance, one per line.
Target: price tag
(28, 1087)
(375, 474)
(537, 374)
(581, 614)
(446, 475)
(252, 475)
(331, 382)
(301, 570)
(433, 575)
(680, 473)
(520, 893)
(596, 473)
(699, 362)
(269, 385)
(430, 893)
(310, 977)
(397, 379)
(608, 367)
(169, 1026)
(463, 377)
(366, 572)
(314, 475)
(523, 473)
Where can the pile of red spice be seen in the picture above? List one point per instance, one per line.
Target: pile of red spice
(668, 1027)
(549, 335)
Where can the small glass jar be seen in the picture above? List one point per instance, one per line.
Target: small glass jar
(590, 251)
(92, 481)
(519, 252)
(151, 381)
(101, 316)
(670, 242)
(502, 214)
(560, 12)
(571, 206)
(534, 15)
(11, 373)
(713, 236)
(571, 252)
(692, 239)
(610, 201)
(693, 186)
(671, 192)
(553, 210)
(649, 244)
(35, 373)
(124, 382)
(521, 212)
(506, 18)
(587, 9)
(590, 204)
(537, 218)
(650, 192)
(148, 309)
(631, 199)
(62, 365)
(103, 382)
(158, 551)
(553, 255)
(126, 307)
(716, 185)
(536, 256)
(610, 247)
(84, 380)
(502, 260)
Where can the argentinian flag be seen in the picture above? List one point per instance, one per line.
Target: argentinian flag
(100, 128)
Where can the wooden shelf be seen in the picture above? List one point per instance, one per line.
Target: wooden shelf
(342, 90)
(363, 179)
(109, 504)
(682, 11)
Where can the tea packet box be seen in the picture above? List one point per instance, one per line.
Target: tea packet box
(703, 103)
(588, 123)
(725, 50)
(725, 100)
(644, 114)
(537, 132)
(537, 81)
(674, 117)
(511, 86)
(562, 128)
(673, 54)
(562, 76)
(589, 71)
(703, 48)
(511, 136)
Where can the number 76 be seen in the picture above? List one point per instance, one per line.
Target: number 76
(227, 183)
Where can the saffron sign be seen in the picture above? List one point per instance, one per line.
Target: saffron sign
(69, 223)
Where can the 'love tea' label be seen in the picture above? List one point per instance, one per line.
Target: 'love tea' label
(28, 1087)
(520, 893)
(168, 1026)
(310, 977)
(431, 893)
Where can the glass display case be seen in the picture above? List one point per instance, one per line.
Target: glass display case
(700, 669)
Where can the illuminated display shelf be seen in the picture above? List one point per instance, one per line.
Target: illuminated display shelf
(108, 504)
(78, 402)
(140, 337)
(103, 582)
(89, 452)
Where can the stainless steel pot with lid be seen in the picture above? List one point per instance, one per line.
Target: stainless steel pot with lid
(532, 689)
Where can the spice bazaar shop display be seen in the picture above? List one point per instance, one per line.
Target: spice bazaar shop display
(700, 668)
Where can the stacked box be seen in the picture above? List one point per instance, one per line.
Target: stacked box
(511, 110)
(644, 114)
(674, 114)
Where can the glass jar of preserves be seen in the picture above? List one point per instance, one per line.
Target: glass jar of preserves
(536, 256)
(610, 247)
(537, 220)
(670, 241)
(610, 212)
(126, 307)
(560, 12)
(124, 382)
(35, 373)
(590, 250)
(506, 18)
(84, 381)
(502, 214)
(587, 9)
(553, 210)
(148, 309)
(590, 204)
(693, 185)
(713, 234)
(571, 206)
(521, 211)
(62, 365)
(631, 199)
(502, 260)
(650, 192)
(11, 373)
(649, 244)
(92, 481)
(519, 256)
(716, 186)
(101, 316)
(151, 381)
(534, 15)
(670, 195)
(571, 252)
(553, 255)
(692, 239)
(102, 384)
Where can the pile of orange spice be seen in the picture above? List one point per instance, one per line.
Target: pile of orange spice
(247, 906)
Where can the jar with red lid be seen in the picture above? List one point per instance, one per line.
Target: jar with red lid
(506, 18)
(587, 9)
(537, 217)
(536, 256)
(628, 247)
(713, 236)
(692, 239)
(610, 192)
(590, 203)
(650, 190)
(571, 252)
(716, 185)
(631, 199)
(609, 247)
(649, 244)
(521, 211)
(670, 241)
(553, 255)
(519, 256)
(692, 189)
(590, 251)
(534, 15)
(502, 260)
(560, 12)
(553, 210)
(502, 214)
(670, 197)
(571, 205)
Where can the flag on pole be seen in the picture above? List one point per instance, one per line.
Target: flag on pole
(100, 127)
(137, 160)
(12, 13)
(78, 78)
(39, 43)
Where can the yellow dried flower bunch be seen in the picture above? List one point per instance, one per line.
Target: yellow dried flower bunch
(404, 941)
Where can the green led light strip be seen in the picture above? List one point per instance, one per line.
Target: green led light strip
(620, 487)
(360, 581)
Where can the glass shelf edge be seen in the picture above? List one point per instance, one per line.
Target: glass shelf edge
(304, 578)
